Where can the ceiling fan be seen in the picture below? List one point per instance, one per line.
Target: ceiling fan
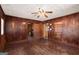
(42, 12)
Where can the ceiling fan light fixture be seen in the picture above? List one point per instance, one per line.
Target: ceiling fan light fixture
(42, 12)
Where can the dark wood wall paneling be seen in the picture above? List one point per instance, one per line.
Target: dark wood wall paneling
(16, 28)
(66, 29)
(2, 37)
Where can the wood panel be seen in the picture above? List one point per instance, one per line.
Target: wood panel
(2, 37)
(2, 43)
(17, 28)
(38, 28)
(66, 29)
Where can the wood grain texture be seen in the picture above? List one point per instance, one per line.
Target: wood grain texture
(17, 28)
(63, 39)
(2, 37)
(66, 29)
(41, 47)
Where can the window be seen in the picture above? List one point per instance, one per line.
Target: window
(2, 26)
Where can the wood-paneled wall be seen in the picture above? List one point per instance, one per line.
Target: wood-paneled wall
(17, 28)
(2, 37)
(66, 29)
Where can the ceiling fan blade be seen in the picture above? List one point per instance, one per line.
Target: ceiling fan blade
(42, 10)
(39, 9)
(49, 12)
(46, 15)
(38, 16)
(35, 13)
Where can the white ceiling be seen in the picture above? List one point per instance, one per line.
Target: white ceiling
(26, 10)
